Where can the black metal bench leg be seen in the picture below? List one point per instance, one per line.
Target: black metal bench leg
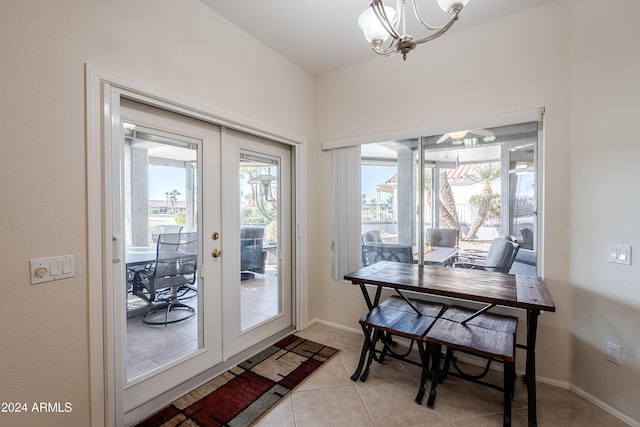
(363, 356)
(447, 364)
(435, 350)
(371, 342)
(366, 348)
(424, 359)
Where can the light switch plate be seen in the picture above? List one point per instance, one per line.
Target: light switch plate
(619, 254)
(52, 268)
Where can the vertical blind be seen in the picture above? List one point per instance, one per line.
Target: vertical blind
(345, 185)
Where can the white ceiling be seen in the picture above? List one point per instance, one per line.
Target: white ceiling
(323, 35)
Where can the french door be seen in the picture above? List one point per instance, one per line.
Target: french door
(221, 202)
(258, 304)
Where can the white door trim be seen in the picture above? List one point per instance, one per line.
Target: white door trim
(106, 402)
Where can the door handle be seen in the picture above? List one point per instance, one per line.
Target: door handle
(216, 253)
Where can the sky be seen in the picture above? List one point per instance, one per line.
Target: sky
(372, 176)
(164, 179)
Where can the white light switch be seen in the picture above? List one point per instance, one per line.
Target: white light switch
(66, 266)
(619, 254)
(53, 268)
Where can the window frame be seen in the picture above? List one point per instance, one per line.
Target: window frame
(533, 115)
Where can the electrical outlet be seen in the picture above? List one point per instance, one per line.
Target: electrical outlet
(613, 353)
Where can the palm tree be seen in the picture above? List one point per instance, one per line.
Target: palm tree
(487, 174)
(247, 174)
(448, 211)
(172, 196)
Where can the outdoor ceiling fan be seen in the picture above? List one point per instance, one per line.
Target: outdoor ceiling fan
(461, 137)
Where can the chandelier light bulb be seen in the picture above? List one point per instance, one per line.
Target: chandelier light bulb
(448, 5)
(372, 27)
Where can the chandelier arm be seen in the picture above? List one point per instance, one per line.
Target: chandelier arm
(441, 31)
(388, 51)
(422, 21)
(381, 14)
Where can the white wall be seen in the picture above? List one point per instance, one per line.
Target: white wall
(579, 60)
(604, 203)
(181, 48)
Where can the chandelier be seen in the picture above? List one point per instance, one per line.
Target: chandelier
(381, 21)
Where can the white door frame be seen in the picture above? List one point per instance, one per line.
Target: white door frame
(101, 98)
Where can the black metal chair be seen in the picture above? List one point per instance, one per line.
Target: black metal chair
(172, 274)
(251, 251)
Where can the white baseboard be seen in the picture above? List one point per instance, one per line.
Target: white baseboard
(335, 326)
(600, 404)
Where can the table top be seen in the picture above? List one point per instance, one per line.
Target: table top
(137, 255)
(507, 290)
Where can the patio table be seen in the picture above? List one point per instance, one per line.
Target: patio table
(513, 291)
(139, 255)
(440, 255)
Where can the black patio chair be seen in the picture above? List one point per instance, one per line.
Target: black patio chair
(172, 273)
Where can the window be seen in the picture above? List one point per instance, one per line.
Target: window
(481, 182)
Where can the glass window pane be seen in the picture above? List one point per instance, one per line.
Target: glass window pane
(160, 195)
(260, 286)
(522, 198)
(389, 201)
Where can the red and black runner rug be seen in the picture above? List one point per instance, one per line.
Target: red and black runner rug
(244, 393)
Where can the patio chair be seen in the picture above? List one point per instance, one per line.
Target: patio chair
(527, 238)
(372, 236)
(251, 251)
(173, 271)
(443, 237)
(502, 253)
(376, 252)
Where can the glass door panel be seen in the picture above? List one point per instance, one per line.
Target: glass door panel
(258, 277)
(160, 207)
(168, 298)
(259, 220)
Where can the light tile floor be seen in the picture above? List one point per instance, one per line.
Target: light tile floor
(330, 398)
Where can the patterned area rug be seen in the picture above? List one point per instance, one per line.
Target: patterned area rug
(244, 393)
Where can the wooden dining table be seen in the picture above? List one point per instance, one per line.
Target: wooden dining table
(488, 288)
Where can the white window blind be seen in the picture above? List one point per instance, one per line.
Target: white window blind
(345, 184)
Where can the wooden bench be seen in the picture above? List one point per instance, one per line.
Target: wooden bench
(396, 316)
(487, 335)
